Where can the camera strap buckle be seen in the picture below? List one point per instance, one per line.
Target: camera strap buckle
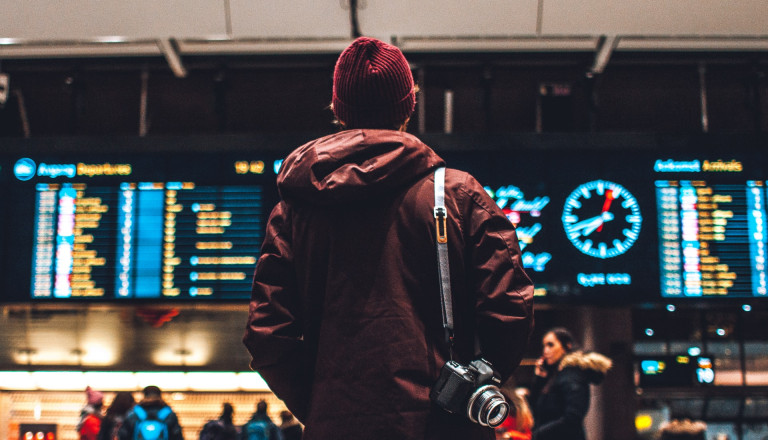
(440, 224)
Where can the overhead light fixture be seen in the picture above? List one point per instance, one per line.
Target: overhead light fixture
(170, 381)
(604, 51)
(5, 85)
(170, 51)
(500, 44)
(692, 43)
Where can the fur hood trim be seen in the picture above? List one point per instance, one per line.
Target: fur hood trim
(683, 427)
(586, 361)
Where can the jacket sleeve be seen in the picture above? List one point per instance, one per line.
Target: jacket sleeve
(275, 433)
(90, 428)
(105, 430)
(273, 334)
(174, 428)
(575, 398)
(126, 429)
(504, 293)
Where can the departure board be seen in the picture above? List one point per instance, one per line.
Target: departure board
(110, 230)
(712, 238)
(145, 240)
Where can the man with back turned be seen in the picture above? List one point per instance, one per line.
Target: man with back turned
(345, 321)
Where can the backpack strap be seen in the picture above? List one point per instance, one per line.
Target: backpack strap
(140, 412)
(164, 413)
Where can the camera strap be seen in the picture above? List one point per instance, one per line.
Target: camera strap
(443, 270)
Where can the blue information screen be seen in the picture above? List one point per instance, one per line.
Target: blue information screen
(103, 230)
(712, 238)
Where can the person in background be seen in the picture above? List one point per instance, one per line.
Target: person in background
(345, 321)
(519, 422)
(260, 426)
(151, 407)
(115, 415)
(90, 415)
(684, 429)
(290, 427)
(222, 428)
(561, 390)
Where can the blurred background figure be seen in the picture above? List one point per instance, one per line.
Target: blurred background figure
(222, 428)
(560, 394)
(260, 426)
(115, 415)
(90, 415)
(142, 422)
(683, 430)
(290, 427)
(519, 422)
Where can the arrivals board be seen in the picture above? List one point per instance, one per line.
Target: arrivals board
(632, 226)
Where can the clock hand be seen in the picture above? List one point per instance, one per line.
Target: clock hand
(589, 224)
(592, 224)
(606, 206)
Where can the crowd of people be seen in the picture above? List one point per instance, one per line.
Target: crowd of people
(554, 407)
(153, 419)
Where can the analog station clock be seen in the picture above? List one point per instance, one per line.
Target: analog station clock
(602, 219)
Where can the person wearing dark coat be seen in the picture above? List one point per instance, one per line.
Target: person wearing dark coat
(289, 426)
(222, 428)
(263, 425)
(560, 394)
(151, 403)
(345, 322)
(115, 416)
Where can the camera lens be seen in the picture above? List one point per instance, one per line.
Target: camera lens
(487, 406)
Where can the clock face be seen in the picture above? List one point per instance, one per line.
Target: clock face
(602, 219)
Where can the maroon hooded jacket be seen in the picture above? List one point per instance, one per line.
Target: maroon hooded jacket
(345, 316)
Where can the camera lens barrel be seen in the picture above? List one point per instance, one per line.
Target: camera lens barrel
(487, 406)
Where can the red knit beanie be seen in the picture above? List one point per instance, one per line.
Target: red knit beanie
(372, 86)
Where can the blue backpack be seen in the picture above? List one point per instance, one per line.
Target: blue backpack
(256, 430)
(153, 428)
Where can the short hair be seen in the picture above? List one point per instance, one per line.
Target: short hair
(261, 407)
(152, 391)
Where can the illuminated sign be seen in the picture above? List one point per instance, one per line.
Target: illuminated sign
(696, 166)
(196, 233)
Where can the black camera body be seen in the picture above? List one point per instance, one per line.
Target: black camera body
(472, 390)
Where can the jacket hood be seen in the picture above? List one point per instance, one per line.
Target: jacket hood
(152, 402)
(594, 364)
(353, 165)
(683, 427)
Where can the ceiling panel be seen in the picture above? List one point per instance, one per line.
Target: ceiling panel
(91, 19)
(297, 19)
(436, 18)
(655, 17)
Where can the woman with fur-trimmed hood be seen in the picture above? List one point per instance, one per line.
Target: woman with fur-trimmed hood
(560, 395)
